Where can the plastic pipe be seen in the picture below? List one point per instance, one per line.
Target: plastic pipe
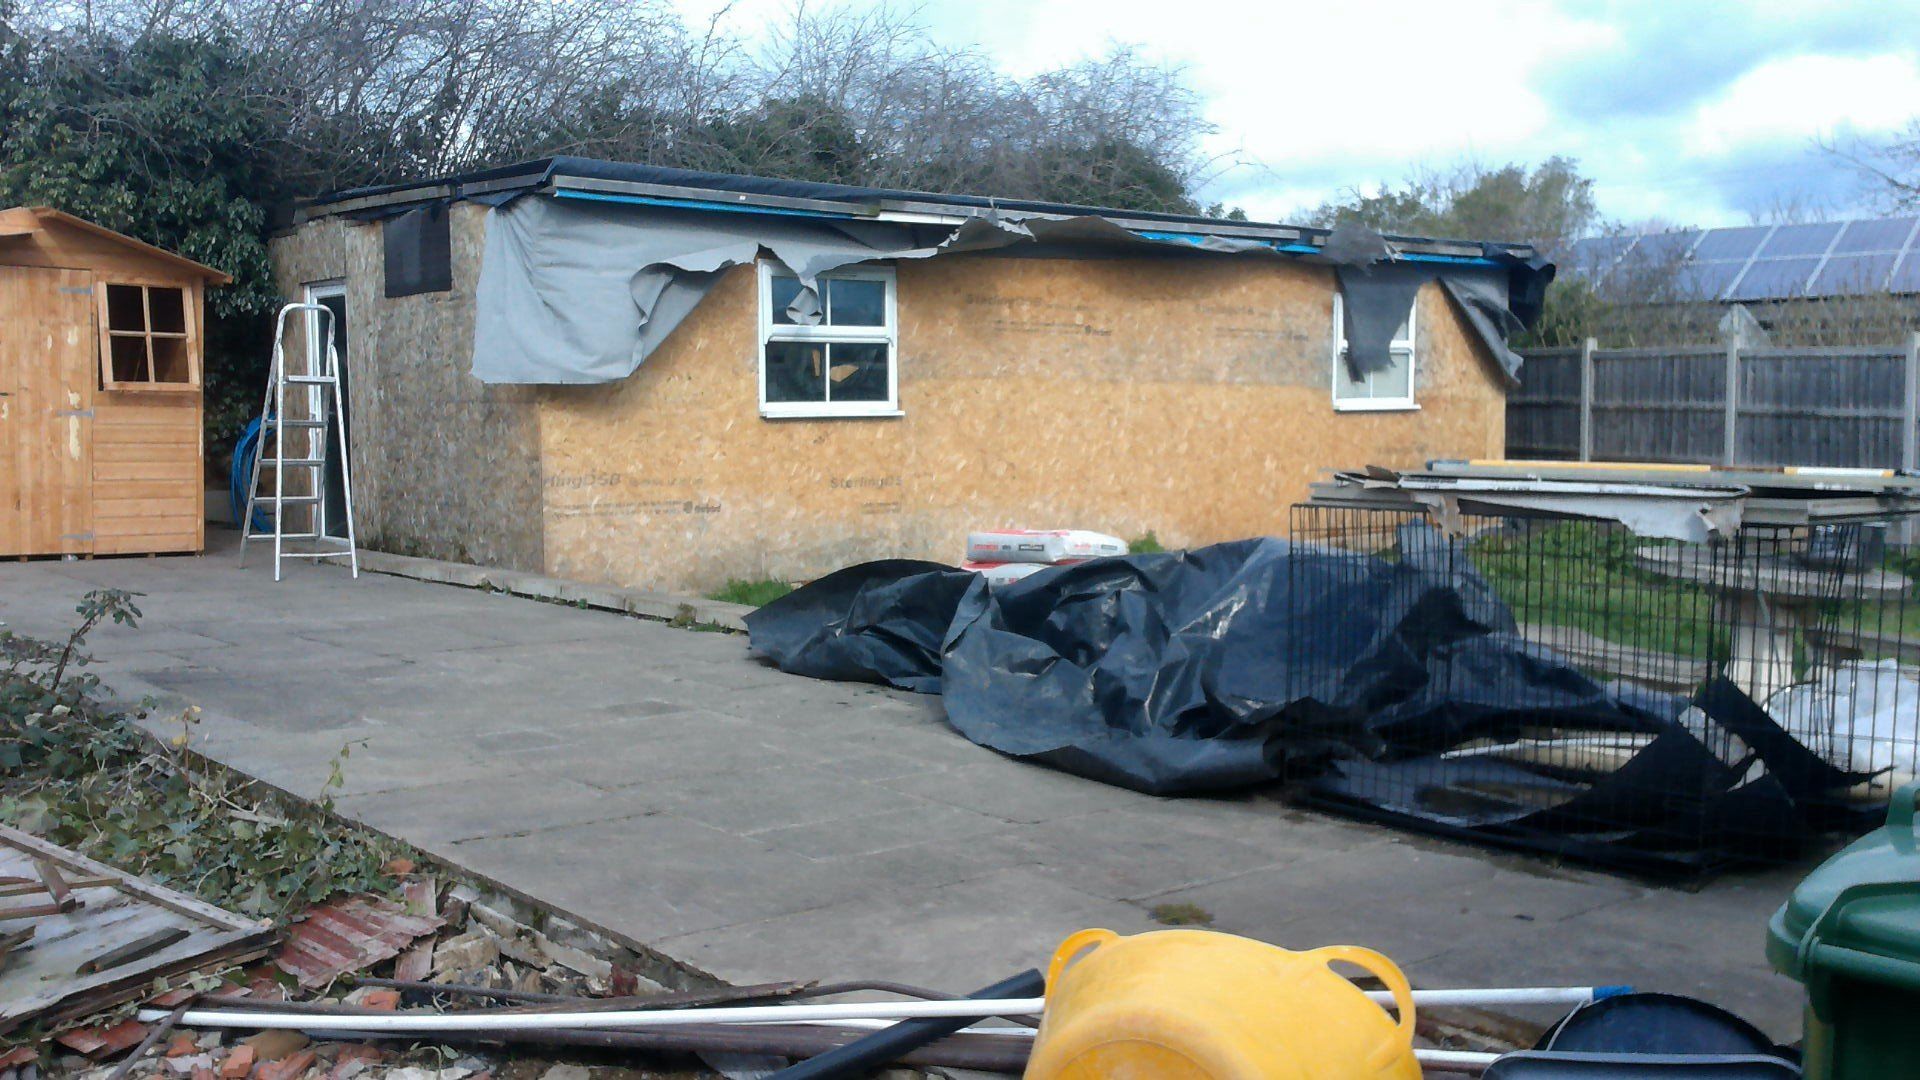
(969, 1008)
(866, 1054)
(964, 1008)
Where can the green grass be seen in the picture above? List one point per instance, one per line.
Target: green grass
(750, 593)
(1148, 544)
(1181, 915)
(1584, 576)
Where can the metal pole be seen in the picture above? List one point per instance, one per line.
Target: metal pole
(1729, 447)
(1587, 348)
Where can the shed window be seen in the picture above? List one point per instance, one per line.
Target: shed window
(838, 364)
(146, 342)
(1389, 388)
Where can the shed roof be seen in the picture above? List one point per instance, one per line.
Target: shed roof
(692, 189)
(21, 222)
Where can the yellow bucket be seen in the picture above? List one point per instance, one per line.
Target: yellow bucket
(1199, 1005)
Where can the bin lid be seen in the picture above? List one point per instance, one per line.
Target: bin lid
(1858, 909)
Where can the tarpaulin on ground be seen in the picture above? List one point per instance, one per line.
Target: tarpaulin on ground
(1393, 682)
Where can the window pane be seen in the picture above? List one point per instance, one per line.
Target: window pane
(170, 360)
(128, 358)
(859, 372)
(126, 308)
(796, 371)
(1344, 384)
(785, 288)
(856, 303)
(1397, 380)
(169, 310)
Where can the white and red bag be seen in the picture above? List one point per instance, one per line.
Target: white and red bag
(1041, 546)
(1003, 573)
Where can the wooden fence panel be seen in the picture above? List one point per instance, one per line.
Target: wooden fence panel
(1841, 407)
(1659, 404)
(1826, 407)
(1543, 412)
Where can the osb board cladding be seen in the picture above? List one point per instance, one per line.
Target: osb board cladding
(444, 466)
(1123, 395)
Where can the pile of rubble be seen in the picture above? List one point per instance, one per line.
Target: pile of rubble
(439, 944)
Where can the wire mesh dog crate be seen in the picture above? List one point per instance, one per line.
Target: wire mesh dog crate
(1549, 680)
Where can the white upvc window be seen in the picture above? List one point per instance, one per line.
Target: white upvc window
(844, 365)
(1389, 388)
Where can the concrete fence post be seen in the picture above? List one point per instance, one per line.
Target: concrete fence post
(1729, 444)
(1910, 409)
(1587, 348)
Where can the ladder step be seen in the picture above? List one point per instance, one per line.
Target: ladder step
(311, 380)
(288, 536)
(293, 461)
(277, 422)
(296, 500)
(341, 554)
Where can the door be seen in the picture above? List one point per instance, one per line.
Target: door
(46, 407)
(333, 518)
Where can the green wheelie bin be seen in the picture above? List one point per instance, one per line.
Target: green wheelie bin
(1851, 934)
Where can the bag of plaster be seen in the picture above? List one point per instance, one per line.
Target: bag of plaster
(1005, 573)
(1041, 546)
(1860, 716)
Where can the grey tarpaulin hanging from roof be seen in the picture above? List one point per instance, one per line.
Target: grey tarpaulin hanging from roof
(573, 292)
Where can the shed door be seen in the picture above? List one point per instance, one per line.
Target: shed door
(46, 404)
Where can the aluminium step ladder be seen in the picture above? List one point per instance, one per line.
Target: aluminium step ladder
(300, 443)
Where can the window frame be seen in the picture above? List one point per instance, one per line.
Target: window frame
(188, 335)
(887, 334)
(1408, 346)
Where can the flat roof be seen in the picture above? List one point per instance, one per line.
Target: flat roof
(693, 189)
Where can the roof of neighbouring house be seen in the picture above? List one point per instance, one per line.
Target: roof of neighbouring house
(1765, 262)
(690, 189)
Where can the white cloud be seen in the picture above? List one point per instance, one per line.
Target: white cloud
(1801, 97)
(1317, 98)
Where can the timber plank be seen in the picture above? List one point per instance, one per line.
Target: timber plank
(46, 981)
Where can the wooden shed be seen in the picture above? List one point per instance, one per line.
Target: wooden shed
(100, 390)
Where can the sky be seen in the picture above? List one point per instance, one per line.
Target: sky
(1684, 112)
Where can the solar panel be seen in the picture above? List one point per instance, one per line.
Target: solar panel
(1774, 279)
(1730, 243)
(1906, 278)
(1887, 234)
(1847, 275)
(1655, 247)
(1800, 240)
(1705, 280)
(1595, 256)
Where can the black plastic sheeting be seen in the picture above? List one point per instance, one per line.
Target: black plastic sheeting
(1236, 664)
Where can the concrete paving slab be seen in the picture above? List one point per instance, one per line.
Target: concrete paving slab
(455, 811)
(665, 786)
(963, 936)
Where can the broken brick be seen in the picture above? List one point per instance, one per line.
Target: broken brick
(399, 867)
(276, 1044)
(204, 1073)
(238, 1064)
(98, 1042)
(18, 1056)
(287, 1068)
(382, 999)
(182, 1045)
(360, 1052)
